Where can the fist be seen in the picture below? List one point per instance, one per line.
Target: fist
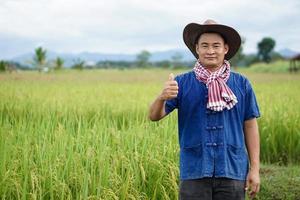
(170, 90)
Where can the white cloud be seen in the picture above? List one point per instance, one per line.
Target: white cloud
(132, 25)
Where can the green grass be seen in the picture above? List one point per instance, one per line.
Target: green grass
(280, 66)
(278, 183)
(85, 135)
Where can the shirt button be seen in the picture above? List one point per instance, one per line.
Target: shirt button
(214, 128)
(214, 144)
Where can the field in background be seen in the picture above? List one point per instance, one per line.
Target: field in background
(85, 135)
(279, 66)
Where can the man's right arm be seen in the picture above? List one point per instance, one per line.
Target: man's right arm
(157, 108)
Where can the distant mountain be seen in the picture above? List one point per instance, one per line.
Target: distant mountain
(288, 53)
(92, 58)
(69, 58)
(167, 55)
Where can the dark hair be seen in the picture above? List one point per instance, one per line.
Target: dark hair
(222, 36)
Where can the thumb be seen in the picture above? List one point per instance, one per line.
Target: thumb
(171, 77)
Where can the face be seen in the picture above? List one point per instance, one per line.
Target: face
(211, 50)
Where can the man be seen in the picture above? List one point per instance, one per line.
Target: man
(217, 113)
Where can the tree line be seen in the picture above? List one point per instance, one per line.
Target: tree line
(265, 53)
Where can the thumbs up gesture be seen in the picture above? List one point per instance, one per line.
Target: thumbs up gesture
(170, 90)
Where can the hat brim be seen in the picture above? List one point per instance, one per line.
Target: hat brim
(192, 31)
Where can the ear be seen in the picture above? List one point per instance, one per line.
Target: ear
(226, 47)
(197, 48)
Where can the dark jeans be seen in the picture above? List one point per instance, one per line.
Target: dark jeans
(212, 189)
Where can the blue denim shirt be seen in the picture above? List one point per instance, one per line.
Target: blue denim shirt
(212, 143)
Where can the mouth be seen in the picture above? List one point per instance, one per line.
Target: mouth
(210, 58)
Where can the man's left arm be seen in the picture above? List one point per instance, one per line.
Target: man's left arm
(253, 148)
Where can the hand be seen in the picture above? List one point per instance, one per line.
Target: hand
(170, 90)
(252, 183)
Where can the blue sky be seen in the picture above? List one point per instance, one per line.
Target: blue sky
(129, 26)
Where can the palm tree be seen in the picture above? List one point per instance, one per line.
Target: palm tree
(40, 58)
(59, 62)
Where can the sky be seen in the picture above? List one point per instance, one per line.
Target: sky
(129, 26)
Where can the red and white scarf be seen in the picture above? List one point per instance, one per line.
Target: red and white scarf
(220, 95)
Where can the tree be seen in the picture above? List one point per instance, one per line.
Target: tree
(163, 64)
(3, 65)
(265, 47)
(40, 58)
(250, 59)
(78, 64)
(177, 59)
(8, 66)
(142, 58)
(59, 62)
(239, 56)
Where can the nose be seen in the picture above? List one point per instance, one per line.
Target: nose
(210, 50)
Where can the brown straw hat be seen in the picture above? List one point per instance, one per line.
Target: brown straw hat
(192, 32)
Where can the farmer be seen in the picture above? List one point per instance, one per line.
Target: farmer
(217, 113)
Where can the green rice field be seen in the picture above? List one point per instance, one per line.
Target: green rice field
(86, 135)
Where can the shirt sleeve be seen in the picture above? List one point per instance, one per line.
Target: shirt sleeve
(172, 103)
(251, 106)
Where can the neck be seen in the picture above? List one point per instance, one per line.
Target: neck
(213, 69)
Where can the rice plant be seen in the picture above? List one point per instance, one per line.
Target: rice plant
(86, 135)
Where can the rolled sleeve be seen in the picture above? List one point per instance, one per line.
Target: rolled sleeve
(251, 108)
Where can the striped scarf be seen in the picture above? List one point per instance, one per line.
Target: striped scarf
(220, 95)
